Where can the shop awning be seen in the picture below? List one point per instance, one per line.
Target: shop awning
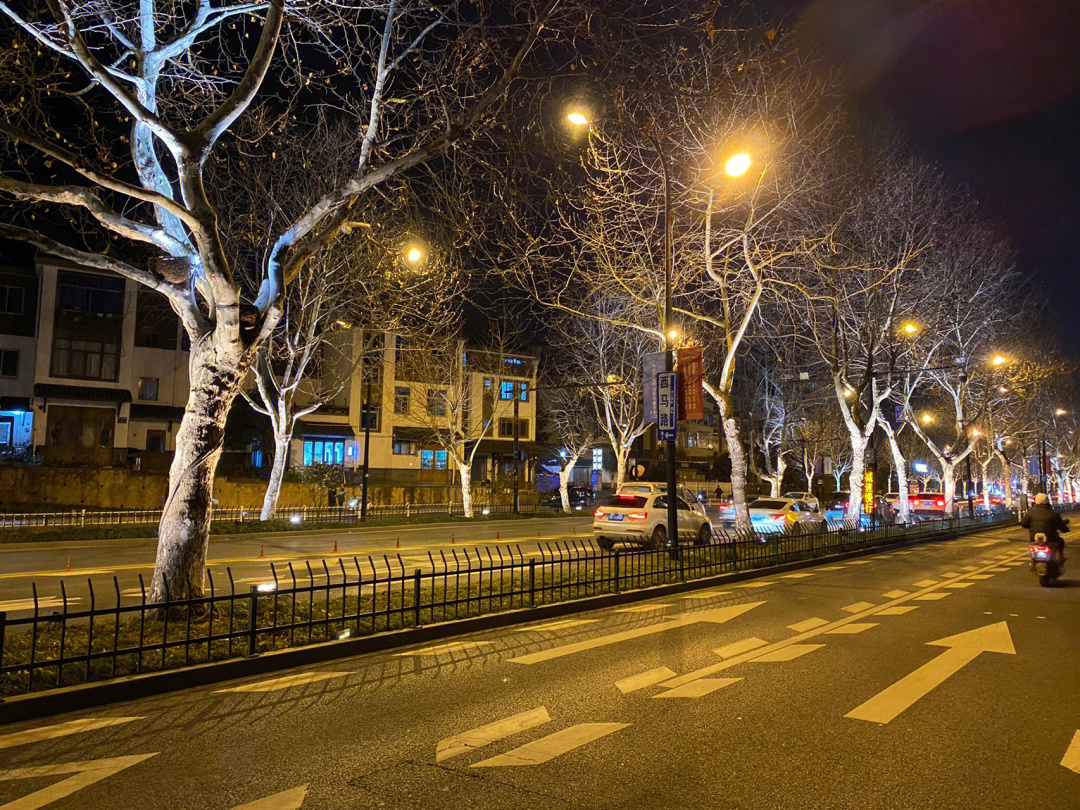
(84, 392)
(413, 434)
(156, 413)
(335, 429)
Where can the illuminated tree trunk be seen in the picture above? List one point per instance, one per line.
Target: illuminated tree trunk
(465, 473)
(277, 473)
(948, 486)
(900, 463)
(738, 460)
(855, 477)
(564, 481)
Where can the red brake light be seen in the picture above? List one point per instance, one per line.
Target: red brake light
(940, 503)
(599, 513)
(1040, 549)
(776, 515)
(638, 516)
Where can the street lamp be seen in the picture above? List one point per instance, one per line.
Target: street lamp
(998, 360)
(1059, 412)
(927, 418)
(577, 118)
(911, 328)
(414, 253)
(737, 165)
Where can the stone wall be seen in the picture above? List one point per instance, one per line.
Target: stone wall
(117, 488)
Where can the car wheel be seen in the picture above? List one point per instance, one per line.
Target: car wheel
(704, 536)
(605, 543)
(659, 538)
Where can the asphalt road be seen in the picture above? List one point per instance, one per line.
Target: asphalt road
(935, 677)
(249, 556)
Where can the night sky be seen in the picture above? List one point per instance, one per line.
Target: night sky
(990, 91)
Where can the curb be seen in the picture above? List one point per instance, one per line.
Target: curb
(90, 695)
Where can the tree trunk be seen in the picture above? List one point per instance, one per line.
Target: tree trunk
(983, 481)
(466, 489)
(948, 486)
(1008, 480)
(564, 483)
(184, 531)
(621, 454)
(855, 477)
(900, 464)
(738, 472)
(277, 472)
(776, 480)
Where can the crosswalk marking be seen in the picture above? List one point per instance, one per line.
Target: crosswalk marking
(796, 576)
(850, 629)
(442, 649)
(896, 610)
(1014, 564)
(895, 594)
(932, 597)
(950, 574)
(857, 607)
(789, 653)
(489, 733)
(698, 688)
(706, 594)
(926, 583)
(755, 584)
(276, 684)
(807, 624)
(737, 647)
(981, 576)
(559, 625)
(858, 562)
(33, 735)
(643, 679)
(958, 585)
(1071, 760)
(291, 799)
(970, 568)
(644, 608)
(998, 570)
(551, 746)
(80, 775)
(986, 543)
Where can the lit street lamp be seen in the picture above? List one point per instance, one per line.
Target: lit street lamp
(737, 165)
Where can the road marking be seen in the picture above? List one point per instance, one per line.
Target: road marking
(737, 647)
(986, 543)
(489, 733)
(553, 745)
(755, 584)
(807, 624)
(643, 679)
(714, 616)
(33, 735)
(830, 568)
(712, 669)
(896, 610)
(894, 594)
(926, 583)
(956, 585)
(1071, 760)
(963, 648)
(932, 597)
(1014, 564)
(970, 568)
(706, 594)
(950, 574)
(786, 653)
(643, 608)
(82, 775)
(999, 570)
(982, 576)
(795, 576)
(858, 562)
(442, 649)
(857, 607)
(276, 684)
(44, 602)
(286, 800)
(850, 629)
(698, 688)
(559, 625)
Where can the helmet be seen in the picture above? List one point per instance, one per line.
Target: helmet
(1041, 498)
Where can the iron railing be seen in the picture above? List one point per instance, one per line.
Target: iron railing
(352, 597)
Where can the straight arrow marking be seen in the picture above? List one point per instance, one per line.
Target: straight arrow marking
(963, 649)
(717, 616)
(1071, 760)
(82, 774)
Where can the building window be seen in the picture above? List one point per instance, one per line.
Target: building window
(5, 432)
(436, 402)
(324, 451)
(506, 428)
(433, 459)
(156, 325)
(9, 363)
(85, 359)
(401, 400)
(506, 390)
(148, 388)
(87, 292)
(155, 441)
(12, 300)
(404, 448)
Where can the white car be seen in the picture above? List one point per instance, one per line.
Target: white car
(807, 497)
(642, 520)
(653, 488)
(784, 515)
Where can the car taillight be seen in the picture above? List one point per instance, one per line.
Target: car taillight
(776, 515)
(1040, 549)
(599, 513)
(940, 503)
(638, 515)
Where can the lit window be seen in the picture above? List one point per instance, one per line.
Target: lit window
(427, 459)
(401, 400)
(404, 448)
(506, 390)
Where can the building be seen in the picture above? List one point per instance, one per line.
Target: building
(99, 367)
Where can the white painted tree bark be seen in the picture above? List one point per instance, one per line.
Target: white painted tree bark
(565, 471)
(277, 473)
(736, 454)
(855, 477)
(900, 463)
(465, 475)
(776, 478)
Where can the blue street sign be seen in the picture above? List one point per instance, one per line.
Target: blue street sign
(666, 406)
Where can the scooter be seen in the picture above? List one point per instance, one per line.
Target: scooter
(1046, 561)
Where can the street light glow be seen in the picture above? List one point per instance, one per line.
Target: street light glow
(998, 360)
(577, 118)
(1059, 412)
(848, 393)
(737, 165)
(911, 327)
(413, 254)
(673, 335)
(927, 418)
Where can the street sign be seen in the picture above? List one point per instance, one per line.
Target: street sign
(666, 406)
(691, 400)
(598, 458)
(868, 491)
(651, 365)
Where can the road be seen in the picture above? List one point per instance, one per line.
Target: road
(934, 677)
(248, 556)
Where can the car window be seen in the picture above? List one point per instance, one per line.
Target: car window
(626, 501)
(680, 503)
(635, 489)
(765, 503)
(660, 502)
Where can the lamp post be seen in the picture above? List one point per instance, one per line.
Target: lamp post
(367, 446)
(517, 446)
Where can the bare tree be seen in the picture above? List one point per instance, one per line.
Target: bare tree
(571, 423)
(112, 111)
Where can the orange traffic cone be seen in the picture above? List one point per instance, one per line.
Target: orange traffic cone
(261, 555)
(335, 547)
(397, 542)
(452, 540)
(67, 567)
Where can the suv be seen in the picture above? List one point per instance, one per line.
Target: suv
(928, 505)
(653, 488)
(806, 497)
(642, 520)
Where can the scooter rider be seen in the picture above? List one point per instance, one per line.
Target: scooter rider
(1042, 519)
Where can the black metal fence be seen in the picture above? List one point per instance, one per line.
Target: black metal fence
(352, 597)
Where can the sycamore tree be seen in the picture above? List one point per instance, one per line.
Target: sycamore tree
(570, 423)
(113, 109)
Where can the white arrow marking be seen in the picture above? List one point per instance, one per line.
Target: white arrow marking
(286, 800)
(963, 649)
(61, 730)
(1071, 760)
(717, 616)
(82, 775)
(553, 745)
(492, 732)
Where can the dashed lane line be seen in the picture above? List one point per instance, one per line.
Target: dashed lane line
(850, 629)
(562, 624)
(926, 583)
(898, 610)
(956, 585)
(1071, 760)
(932, 597)
(857, 607)
(61, 730)
(551, 746)
(895, 594)
(800, 638)
(286, 682)
(797, 575)
(698, 688)
(43, 603)
(291, 799)
(982, 576)
(737, 647)
(490, 732)
(442, 649)
(785, 653)
(807, 624)
(643, 679)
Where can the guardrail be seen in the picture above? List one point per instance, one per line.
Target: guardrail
(298, 514)
(297, 607)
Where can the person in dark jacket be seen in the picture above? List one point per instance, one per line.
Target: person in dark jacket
(1042, 519)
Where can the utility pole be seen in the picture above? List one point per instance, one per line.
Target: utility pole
(367, 447)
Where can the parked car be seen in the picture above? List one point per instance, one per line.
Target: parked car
(836, 506)
(784, 515)
(806, 497)
(641, 519)
(654, 488)
(580, 498)
(928, 505)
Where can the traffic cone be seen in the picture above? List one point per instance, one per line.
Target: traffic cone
(335, 547)
(261, 555)
(67, 567)
(397, 542)
(452, 540)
